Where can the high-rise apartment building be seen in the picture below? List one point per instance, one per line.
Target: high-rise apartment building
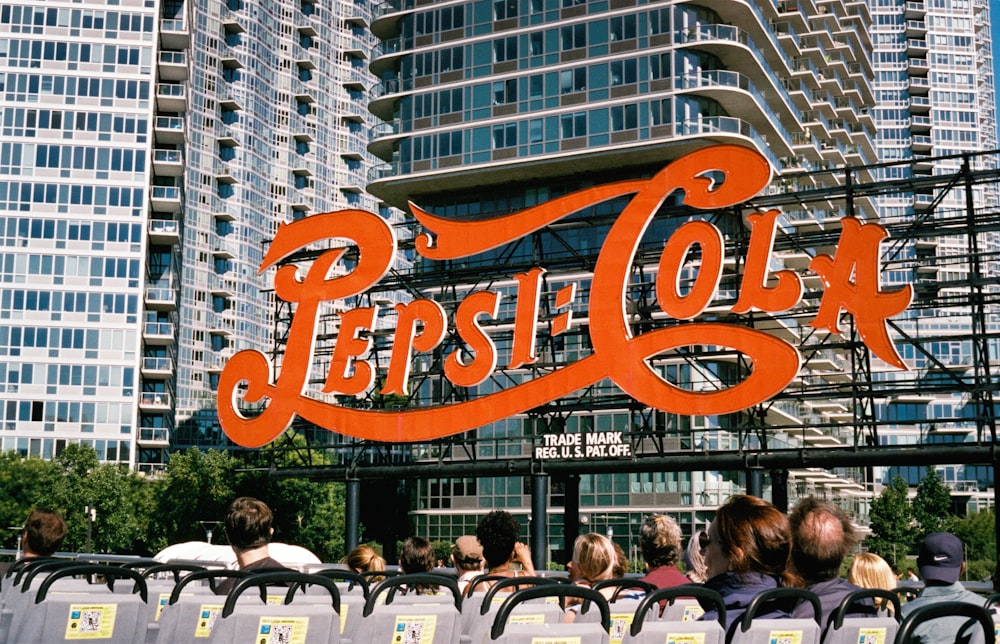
(934, 102)
(499, 106)
(77, 90)
(149, 151)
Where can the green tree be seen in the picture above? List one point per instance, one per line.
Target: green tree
(121, 517)
(932, 504)
(69, 493)
(978, 533)
(25, 483)
(306, 513)
(890, 521)
(196, 486)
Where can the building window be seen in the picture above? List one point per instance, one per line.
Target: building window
(504, 9)
(505, 135)
(505, 91)
(573, 125)
(505, 49)
(573, 37)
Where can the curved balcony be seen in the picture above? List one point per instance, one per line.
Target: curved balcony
(383, 139)
(385, 55)
(387, 15)
(731, 45)
(394, 182)
(730, 90)
(383, 96)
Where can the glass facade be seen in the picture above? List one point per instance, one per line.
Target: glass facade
(150, 150)
(935, 97)
(494, 107)
(77, 85)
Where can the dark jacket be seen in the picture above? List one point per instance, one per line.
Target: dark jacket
(831, 593)
(737, 591)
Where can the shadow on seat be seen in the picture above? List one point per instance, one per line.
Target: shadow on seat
(503, 630)
(680, 627)
(878, 628)
(751, 629)
(478, 610)
(248, 621)
(965, 631)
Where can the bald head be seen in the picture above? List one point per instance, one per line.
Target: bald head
(822, 536)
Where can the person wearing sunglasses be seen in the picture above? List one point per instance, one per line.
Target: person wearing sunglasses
(747, 550)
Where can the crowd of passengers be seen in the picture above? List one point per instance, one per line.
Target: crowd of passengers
(750, 547)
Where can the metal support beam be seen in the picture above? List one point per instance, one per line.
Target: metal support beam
(352, 514)
(686, 461)
(571, 513)
(755, 481)
(779, 489)
(539, 519)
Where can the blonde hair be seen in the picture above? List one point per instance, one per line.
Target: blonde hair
(594, 557)
(868, 570)
(364, 559)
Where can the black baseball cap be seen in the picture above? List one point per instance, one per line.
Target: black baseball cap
(940, 557)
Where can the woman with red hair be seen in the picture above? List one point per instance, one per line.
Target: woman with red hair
(747, 550)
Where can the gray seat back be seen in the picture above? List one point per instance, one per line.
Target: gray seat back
(63, 611)
(248, 619)
(751, 629)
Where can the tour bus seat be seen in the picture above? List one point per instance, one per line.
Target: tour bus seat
(677, 625)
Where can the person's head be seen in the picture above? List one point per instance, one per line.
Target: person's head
(416, 555)
(621, 561)
(868, 570)
(364, 558)
(498, 532)
(467, 554)
(941, 558)
(749, 535)
(248, 523)
(694, 558)
(44, 531)
(593, 558)
(660, 540)
(822, 536)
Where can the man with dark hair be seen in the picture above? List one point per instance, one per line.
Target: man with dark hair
(822, 536)
(660, 544)
(44, 531)
(941, 561)
(248, 529)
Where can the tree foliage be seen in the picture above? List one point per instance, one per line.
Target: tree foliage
(140, 515)
(932, 504)
(890, 521)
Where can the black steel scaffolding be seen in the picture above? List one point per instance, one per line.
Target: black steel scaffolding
(834, 415)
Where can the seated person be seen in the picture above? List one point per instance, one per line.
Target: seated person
(44, 531)
(248, 528)
(417, 556)
(497, 533)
